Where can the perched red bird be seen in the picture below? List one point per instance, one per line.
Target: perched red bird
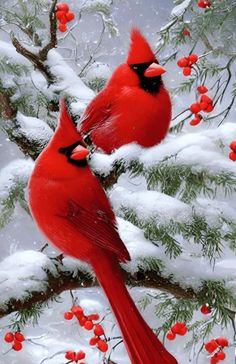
(72, 210)
(134, 105)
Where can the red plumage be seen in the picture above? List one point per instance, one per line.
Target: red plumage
(72, 210)
(131, 107)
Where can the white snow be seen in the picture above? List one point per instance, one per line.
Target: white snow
(68, 82)
(204, 149)
(23, 272)
(180, 9)
(149, 204)
(98, 70)
(34, 128)
(7, 49)
(17, 170)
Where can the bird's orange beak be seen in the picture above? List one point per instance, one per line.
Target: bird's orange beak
(79, 153)
(154, 70)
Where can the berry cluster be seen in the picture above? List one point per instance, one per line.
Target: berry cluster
(87, 322)
(73, 356)
(63, 15)
(204, 4)
(15, 339)
(205, 309)
(96, 339)
(179, 328)
(187, 62)
(216, 347)
(232, 154)
(204, 103)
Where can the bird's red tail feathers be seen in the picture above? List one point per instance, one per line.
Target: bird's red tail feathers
(141, 343)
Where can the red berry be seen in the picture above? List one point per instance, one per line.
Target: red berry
(182, 331)
(209, 108)
(201, 4)
(59, 14)
(203, 105)
(70, 15)
(62, 27)
(194, 121)
(222, 341)
(204, 3)
(182, 62)
(192, 58)
(178, 327)
(205, 98)
(186, 32)
(205, 309)
(77, 311)
(80, 355)
(62, 7)
(19, 336)
(68, 315)
(82, 320)
(211, 345)
(232, 156)
(93, 317)
(102, 345)
(232, 145)
(214, 360)
(17, 346)
(220, 355)
(98, 330)
(9, 337)
(88, 325)
(63, 19)
(202, 89)
(93, 341)
(187, 71)
(70, 355)
(170, 335)
(195, 107)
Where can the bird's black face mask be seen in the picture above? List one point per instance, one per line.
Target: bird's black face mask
(148, 84)
(75, 156)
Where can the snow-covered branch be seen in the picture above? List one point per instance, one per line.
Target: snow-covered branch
(39, 278)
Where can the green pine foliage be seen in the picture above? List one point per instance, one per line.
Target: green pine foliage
(7, 204)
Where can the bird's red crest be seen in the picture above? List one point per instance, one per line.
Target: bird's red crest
(139, 49)
(66, 126)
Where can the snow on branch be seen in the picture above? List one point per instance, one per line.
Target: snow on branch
(39, 278)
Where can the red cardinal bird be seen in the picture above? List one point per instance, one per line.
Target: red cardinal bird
(72, 210)
(134, 106)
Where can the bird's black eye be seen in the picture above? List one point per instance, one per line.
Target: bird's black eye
(62, 150)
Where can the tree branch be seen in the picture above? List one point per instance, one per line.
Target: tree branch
(6, 109)
(38, 59)
(66, 280)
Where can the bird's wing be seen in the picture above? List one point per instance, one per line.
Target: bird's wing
(97, 226)
(97, 112)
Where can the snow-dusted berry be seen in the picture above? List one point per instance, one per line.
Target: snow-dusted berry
(205, 309)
